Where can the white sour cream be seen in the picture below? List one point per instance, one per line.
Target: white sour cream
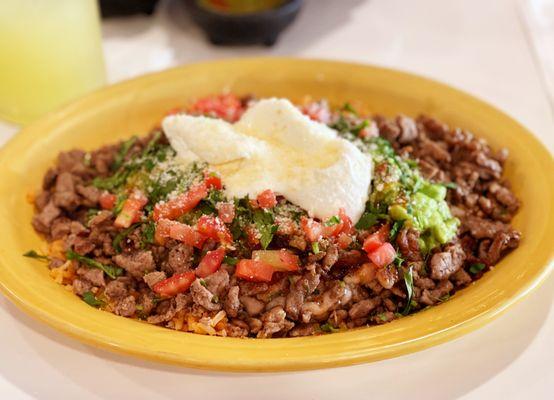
(274, 146)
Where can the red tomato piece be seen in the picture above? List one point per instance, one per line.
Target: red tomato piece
(163, 227)
(226, 106)
(107, 200)
(252, 235)
(344, 241)
(376, 239)
(212, 181)
(383, 255)
(186, 234)
(214, 228)
(131, 210)
(267, 199)
(210, 262)
(280, 260)
(312, 229)
(226, 212)
(254, 271)
(347, 226)
(182, 204)
(174, 285)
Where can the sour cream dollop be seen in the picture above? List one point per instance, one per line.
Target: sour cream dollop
(274, 146)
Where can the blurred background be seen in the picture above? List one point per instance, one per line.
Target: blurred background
(473, 44)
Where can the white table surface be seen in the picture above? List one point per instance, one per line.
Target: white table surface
(477, 45)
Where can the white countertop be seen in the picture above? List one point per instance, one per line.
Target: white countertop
(479, 46)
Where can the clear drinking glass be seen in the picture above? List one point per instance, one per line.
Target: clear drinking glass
(50, 52)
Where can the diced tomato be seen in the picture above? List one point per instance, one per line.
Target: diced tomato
(226, 106)
(312, 229)
(186, 234)
(166, 228)
(176, 284)
(214, 228)
(376, 239)
(332, 230)
(252, 235)
(280, 260)
(254, 271)
(210, 262)
(182, 204)
(212, 181)
(383, 255)
(131, 210)
(226, 212)
(347, 226)
(344, 240)
(163, 227)
(267, 199)
(107, 200)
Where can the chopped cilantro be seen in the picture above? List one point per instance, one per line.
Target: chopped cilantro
(116, 243)
(409, 282)
(91, 300)
(123, 151)
(110, 270)
(264, 222)
(358, 128)
(367, 220)
(230, 260)
(348, 107)
(203, 283)
(476, 268)
(327, 327)
(148, 232)
(395, 229)
(36, 256)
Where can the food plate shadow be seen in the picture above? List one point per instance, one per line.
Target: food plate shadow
(56, 356)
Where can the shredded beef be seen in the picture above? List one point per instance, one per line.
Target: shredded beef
(335, 288)
(137, 264)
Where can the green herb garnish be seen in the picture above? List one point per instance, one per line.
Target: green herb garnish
(91, 300)
(36, 256)
(332, 221)
(264, 222)
(116, 243)
(123, 151)
(367, 220)
(230, 260)
(148, 233)
(110, 270)
(476, 268)
(395, 229)
(409, 282)
(327, 327)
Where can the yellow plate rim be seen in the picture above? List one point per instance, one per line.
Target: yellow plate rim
(269, 354)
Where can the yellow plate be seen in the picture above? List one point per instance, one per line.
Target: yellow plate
(133, 107)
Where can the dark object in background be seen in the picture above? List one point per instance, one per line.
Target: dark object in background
(114, 8)
(244, 28)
